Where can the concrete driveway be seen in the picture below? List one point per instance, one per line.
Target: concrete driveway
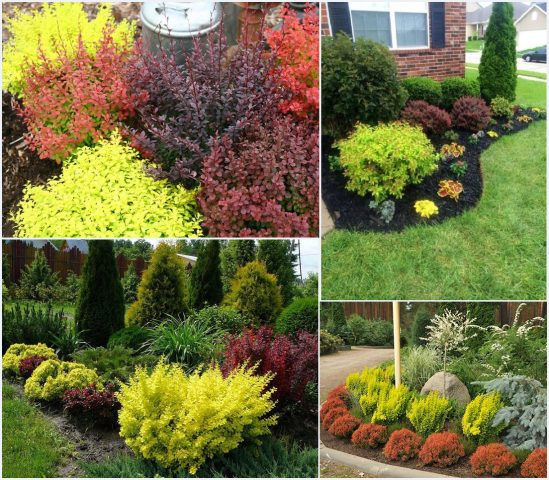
(474, 57)
(335, 367)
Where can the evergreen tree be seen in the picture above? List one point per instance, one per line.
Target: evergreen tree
(497, 72)
(235, 255)
(206, 287)
(100, 305)
(130, 283)
(279, 257)
(422, 318)
(37, 279)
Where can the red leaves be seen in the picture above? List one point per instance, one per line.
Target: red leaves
(329, 405)
(402, 445)
(331, 415)
(441, 449)
(97, 406)
(370, 435)
(432, 119)
(535, 466)
(471, 113)
(492, 459)
(29, 364)
(344, 426)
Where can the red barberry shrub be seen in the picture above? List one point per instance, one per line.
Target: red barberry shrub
(29, 364)
(340, 392)
(535, 465)
(330, 404)
(332, 414)
(492, 459)
(432, 119)
(293, 361)
(265, 185)
(98, 407)
(370, 435)
(402, 445)
(75, 99)
(471, 113)
(344, 425)
(441, 449)
(295, 46)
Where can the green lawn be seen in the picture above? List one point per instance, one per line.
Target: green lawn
(494, 251)
(67, 308)
(474, 45)
(526, 73)
(31, 445)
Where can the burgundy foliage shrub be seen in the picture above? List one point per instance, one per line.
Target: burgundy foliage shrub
(432, 119)
(402, 445)
(99, 407)
(492, 459)
(332, 415)
(294, 362)
(265, 185)
(370, 435)
(330, 404)
(535, 465)
(344, 426)
(29, 364)
(441, 449)
(471, 113)
(75, 100)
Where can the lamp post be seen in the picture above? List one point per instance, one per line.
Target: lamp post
(396, 340)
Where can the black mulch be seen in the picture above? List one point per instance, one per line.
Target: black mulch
(351, 211)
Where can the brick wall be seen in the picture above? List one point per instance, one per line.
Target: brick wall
(437, 63)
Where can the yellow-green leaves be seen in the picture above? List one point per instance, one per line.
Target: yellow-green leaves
(19, 351)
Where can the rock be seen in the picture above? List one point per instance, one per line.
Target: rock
(455, 389)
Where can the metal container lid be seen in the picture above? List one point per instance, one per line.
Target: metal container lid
(181, 19)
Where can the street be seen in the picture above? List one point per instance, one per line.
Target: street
(474, 57)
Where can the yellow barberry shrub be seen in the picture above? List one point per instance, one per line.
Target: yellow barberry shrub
(181, 420)
(391, 405)
(19, 351)
(52, 378)
(428, 414)
(104, 191)
(56, 25)
(479, 414)
(357, 383)
(374, 391)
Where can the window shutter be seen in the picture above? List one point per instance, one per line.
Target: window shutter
(438, 29)
(340, 18)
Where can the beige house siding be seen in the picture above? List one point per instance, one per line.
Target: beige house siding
(535, 19)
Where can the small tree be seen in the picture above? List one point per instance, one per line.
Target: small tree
(255, 293)
(37, 279)
(206, 286)
(100, 306)
(163, 290)
(279, 258)
(235, 255)
(497, 71)
(130, 283)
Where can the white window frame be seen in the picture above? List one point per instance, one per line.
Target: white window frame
(393, 8)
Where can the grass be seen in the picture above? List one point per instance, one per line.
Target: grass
(525, 73)
(67, 308)
(31, 445)
(495, 250)
(331, 469)
(474, 45)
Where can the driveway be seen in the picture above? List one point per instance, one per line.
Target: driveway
(335, 367)
(474, 57)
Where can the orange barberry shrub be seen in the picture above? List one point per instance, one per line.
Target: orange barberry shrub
(441, 449)
(402, 445)
(535, 465)
(344, 426)
(493, 459)
(370, 435)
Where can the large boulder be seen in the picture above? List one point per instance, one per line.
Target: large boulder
(454, 387)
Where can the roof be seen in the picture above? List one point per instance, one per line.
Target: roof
(191, 258)
(81, 245)
(482, 15)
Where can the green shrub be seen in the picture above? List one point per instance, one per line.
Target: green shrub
(100, 307)
(164, 289)
(423, 88)
(130, 284)
(19, 351)
(301, 314)
(428, 414)
(497, 72)
(501, 108)
(422, 318)
(68, 340)
(206, 287)
(130, 337)
(384, 160)
(391, 407)
(418, 365)
(453, 88)
(221, 319)
(38, 282)
(332, 318)
(329, 342)
(469, 368)
(359, 84)
(280, 259)
(255, 293)
(68, 292)
(123, 201)
(477, 422)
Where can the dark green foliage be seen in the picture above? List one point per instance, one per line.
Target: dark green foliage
(453, 88)
(163, 289)
(309, 287)
(497, 71)
(68, 340)
(373, 332)
(328, 342)
(222, 319)
(279, 257)
(235, 255)
(68, 292)
(132, 250)
(6, 270)
(422, 318)
(130, 283)
(30, 324)
(38, 282)
(359, 84)
(206, 287)
(468, 369)
(301, 314)
(484, 313)
(100, 307)
(423, 88)
(332, 318)
(130, 337)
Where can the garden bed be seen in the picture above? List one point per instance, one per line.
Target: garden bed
(351, 211)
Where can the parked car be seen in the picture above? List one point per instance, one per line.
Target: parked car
(539, 55)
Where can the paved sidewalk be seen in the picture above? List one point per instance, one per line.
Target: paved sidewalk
(326, 221)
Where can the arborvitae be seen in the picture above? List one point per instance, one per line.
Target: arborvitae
(422, 318)
(206, 287)
(100, 305)
(279, 257)
(130, 283)
(497, 72)
(235, 255)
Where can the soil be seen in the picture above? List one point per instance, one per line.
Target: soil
(351, 211)
(460, 469)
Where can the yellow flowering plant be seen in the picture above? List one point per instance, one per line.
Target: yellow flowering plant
(425, 208)
(19, 351)
(492, 134)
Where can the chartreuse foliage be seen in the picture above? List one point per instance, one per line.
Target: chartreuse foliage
(19, 351)
(384, 159)
(391, 407)
(105, 192)
(181, 420)
(52, 378)
(428, 414)
(57, 25)
(369, 383)
(477, 422)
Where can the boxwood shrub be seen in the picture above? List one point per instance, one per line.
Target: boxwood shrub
(453, 88)
(423, 88)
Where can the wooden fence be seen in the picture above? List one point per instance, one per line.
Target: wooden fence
(19, 253)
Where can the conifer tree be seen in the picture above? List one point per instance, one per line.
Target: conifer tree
(206, 286)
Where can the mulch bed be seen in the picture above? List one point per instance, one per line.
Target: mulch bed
(351, 211)
(460, 469)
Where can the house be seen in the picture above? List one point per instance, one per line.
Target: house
(530, 22)
(188, 260)
(426, 38)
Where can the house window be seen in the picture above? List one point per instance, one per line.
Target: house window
(394, 24)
